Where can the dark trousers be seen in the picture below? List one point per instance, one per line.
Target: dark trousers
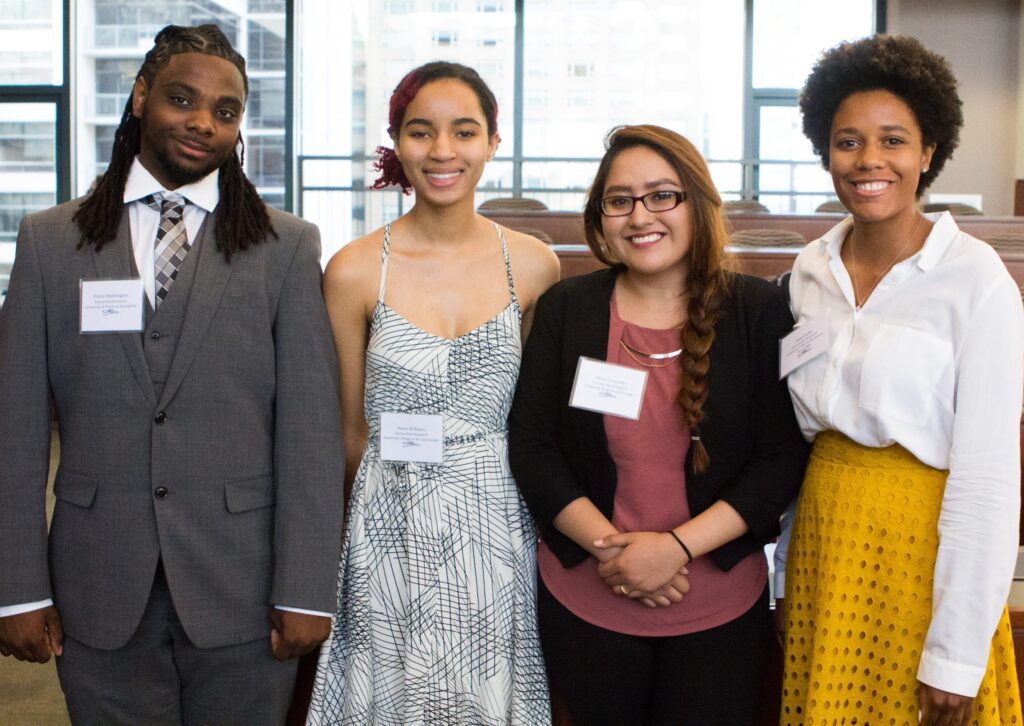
(159, 678)
(708, 678)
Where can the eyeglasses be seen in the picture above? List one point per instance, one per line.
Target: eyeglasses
(660, 201)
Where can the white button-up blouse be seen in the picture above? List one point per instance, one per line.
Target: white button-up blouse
(934, 361)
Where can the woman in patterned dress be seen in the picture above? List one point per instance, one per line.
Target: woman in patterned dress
(905, 534)
(653, 604)
(436, 622)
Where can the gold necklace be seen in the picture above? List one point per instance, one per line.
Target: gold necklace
(634, 352)
(858, 301)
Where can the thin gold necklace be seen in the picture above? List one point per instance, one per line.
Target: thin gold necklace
(858, 301)
(634, 352)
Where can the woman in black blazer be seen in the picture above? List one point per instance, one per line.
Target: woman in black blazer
(670, 510)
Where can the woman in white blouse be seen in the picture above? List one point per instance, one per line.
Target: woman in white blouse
(905, 534)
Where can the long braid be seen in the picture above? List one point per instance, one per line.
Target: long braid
(242, 217)
(707, 280)
(702, 311)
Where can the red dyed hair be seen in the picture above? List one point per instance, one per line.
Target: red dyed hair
(390, 168)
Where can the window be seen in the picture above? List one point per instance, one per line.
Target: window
(264, 160)
(31, 38)
(28, 171)
(614, 74)
(26, 145)
(131, 24)
(104, 147)
(266, 45)
(344, 103)
(585, 68)
(788, 35)
(444, 39)
(276, 7)
(265, 109)
(114, 81)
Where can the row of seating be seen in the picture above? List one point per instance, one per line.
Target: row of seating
(731, 206)
(769, 237)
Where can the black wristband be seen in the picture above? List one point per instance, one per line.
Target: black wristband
(689, 555)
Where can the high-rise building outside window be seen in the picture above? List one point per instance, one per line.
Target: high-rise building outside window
(113, 37)
(31, 44)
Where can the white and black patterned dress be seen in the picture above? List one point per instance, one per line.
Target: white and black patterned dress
(437, 588)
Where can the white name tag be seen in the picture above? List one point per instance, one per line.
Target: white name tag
(608, 388)
(412, 437)
(805, 343)
(111, 306)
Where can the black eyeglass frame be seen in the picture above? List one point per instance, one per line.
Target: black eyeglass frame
(680, 197)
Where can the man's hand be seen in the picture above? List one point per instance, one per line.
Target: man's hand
(942, 708)
(294, 634)
(32, 636)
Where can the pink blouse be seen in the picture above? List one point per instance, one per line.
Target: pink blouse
(650, 495)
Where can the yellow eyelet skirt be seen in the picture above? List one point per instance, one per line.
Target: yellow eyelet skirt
(859, 592)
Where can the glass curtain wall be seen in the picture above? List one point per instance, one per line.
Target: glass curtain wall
(352, 57)
(31, 75)
(788, 36)
(678, 65)
(586, 66)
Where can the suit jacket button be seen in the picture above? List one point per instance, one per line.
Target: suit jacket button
(155, 335)
(160, 492)
(160, 417)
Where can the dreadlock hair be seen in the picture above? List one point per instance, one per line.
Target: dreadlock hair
(242, 218)
(388, 164)
(707, 280)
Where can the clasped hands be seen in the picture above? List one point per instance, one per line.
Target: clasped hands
(645, 566)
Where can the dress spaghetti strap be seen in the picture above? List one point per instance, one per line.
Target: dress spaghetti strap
(384, 262)
(508, 267)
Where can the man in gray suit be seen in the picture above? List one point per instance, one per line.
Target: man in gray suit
(177, 325)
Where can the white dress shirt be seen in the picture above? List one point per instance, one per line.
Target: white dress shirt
(143, 220)
(934, 361)
(202, 197)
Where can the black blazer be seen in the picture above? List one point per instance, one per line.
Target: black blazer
(559, 453)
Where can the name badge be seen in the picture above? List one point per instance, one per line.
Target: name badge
(608, 388)
(412, 437)
(111, 306)
(805, 343)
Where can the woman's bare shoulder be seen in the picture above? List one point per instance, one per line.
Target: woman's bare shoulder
(354, 269)
(534, 263)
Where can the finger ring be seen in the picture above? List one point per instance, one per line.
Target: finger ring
(623, 590)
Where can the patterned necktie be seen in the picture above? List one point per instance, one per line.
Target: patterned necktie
(171, 242)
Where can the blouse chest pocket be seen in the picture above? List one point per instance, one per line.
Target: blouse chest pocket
(906, 374)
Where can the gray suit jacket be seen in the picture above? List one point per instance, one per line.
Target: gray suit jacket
(241, 429)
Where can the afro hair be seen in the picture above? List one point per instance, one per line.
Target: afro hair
(893, 63)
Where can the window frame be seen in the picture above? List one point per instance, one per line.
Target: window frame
(60, 97)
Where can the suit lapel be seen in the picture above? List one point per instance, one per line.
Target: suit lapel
(211, 278)
(114, 262)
